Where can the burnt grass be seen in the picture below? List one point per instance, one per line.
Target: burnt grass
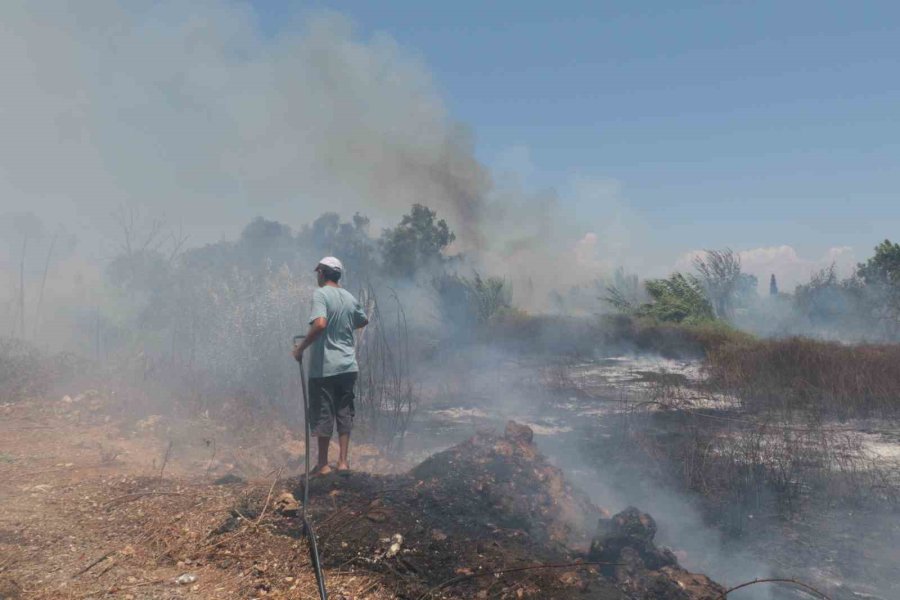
(798, 502)
(490, 518)
(774, 468)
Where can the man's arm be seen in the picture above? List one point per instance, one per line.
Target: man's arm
(360, 319)
(316, 328)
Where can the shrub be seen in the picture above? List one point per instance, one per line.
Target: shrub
(22, 371)
(678, 299)
(672, 340)
(26, 372)
(466, 303)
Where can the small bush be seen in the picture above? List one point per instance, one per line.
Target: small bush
(22, 371)
(671, 340)
(466, 303)
(26, 372)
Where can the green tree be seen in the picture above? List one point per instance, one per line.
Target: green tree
(679, 299)
(830, 304)
(625, 292)
(884, 267)
(349, 241)
(881, 278)
(417, 243)
(466, 304)
(725, 285)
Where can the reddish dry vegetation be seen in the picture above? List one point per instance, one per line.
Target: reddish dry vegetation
(487, 518)
(828, 377)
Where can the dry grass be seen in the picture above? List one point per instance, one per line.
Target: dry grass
(827, 378)
(671, 340)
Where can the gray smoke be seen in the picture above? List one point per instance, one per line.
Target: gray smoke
(190, 111)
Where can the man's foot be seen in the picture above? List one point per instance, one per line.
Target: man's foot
(343, 468)
(321, 470)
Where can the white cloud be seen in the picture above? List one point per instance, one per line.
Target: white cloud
(789, 268)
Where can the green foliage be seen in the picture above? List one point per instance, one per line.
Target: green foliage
(624, 293)
(863, 306)
(719, 288)
(489, 297)
(416, 244)
(678, 299)
(881, 277)
(826, 299)
(465, 302)
(725, 285)
(884, 267)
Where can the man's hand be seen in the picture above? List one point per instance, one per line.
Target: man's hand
(315, 330)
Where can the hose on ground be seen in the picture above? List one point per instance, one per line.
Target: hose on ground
(307, 525)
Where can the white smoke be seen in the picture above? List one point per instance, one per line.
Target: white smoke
(189, 110)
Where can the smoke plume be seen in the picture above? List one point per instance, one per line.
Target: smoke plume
(194, 113)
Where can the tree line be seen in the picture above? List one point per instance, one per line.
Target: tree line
(862, 305)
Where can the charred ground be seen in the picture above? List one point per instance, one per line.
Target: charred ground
(487, 518)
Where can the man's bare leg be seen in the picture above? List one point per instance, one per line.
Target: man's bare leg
(344, 444)
(322, 465)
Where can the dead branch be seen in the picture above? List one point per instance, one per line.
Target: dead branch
(269, 496)
(94, 564)
(165, 459)
(211, 458)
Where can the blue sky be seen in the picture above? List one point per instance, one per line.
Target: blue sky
(746, 124)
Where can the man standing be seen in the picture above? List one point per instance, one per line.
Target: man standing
(332, 361)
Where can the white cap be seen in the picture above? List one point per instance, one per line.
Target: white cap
(332, 263)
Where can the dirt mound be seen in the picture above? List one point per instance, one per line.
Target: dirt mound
(491, 518)
(506, 481)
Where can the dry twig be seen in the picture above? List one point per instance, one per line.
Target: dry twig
(269, 496)
(94, 564)
(165, 459)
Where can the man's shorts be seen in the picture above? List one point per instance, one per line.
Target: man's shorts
(330, 400)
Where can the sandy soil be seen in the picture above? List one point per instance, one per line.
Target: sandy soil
(87, 515)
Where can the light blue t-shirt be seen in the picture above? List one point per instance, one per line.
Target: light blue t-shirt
(334, 352)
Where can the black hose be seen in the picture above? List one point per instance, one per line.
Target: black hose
(314, 558)
(307, 526)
